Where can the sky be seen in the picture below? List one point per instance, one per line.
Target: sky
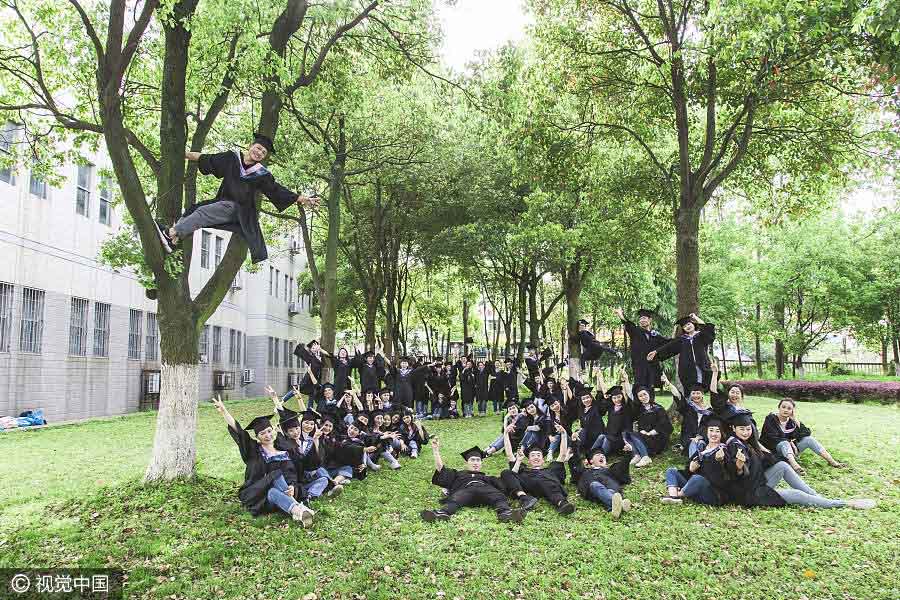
(473, 25)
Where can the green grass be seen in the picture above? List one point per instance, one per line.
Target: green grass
(71, 497)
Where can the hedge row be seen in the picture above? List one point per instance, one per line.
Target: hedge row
(848, 391)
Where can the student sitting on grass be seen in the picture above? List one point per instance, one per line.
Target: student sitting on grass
(270, 480)
(602, 483)
(755, 475)
(785, 435)
(470, 487)
(704, 479)
(509, 419)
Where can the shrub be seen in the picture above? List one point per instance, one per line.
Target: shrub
(848, 391)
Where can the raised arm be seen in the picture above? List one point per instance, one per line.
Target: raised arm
(507, 444)
(436, 451)
(220, 406)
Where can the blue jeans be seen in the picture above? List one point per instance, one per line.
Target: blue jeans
(413, 446)
(637, 444)
(497, 444)
(785, 450)
(348, 420)
(602, 493)
(277, 496)
(315, 482)
(799, 493)
(697, 488)
(482, 405)
(346, 472)
(496, 403)
(420, 408)
(528, 438)
(393, 462)
(695, 447)
(554, 443)
(468, 409)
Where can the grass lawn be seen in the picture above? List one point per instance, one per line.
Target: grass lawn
(70, 497)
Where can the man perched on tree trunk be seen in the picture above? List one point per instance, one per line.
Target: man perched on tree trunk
(234, 207)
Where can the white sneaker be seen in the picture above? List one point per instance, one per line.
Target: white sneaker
(616, 506)
(634, 460)
(861, 503)
(646, 460)
(375, 467)
(335, 491)
(626, 504)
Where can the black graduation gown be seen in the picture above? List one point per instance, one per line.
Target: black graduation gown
(592, 422)
(402, 383)
(618, 422)
(655, 417)
(591, 349)
(509, 380)
(337, 452)
(693, 353)
(258, 474)
(749, 488)
(613, 478)
(370, 377)
(772, 434)
(226, 166)
(455, 480)
(341, 375)
(304, 455)
(482, 378)
(419, 379)
(642, 343)
(467, 386)
(314, 364)
(693, 422)
(411, 434)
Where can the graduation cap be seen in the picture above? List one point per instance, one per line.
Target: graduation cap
(311, 342)
(528, 403)
(714, 422)
(645, 312)
(327, 386)
(264, 141)
(406, 358)
(682, 321)
(583, 322)
(638, 387)
(473, 451)
(585, 389)
(383, 391)
(547, 353)
(288, 419)
(368, 353)
(696, 387)
(741, 419)
(329, 418)
(309, 415)
(259, 424)
(535, 447)
(547, 371)
(510, 403)
(615, 390)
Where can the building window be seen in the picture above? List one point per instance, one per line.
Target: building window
(6, 301)
(105, 215)
(217, 344)
(231, 348)
(287, 352)
(240, 345)
(135, 323)
(204, 249)
(101, 329)
(152, 349)
(277, 346)
(7, 138)
(271, 276)
(31, 333)
(285, 287)
(204, 345)
(271, 343)
(291, 296)
(83, 190)
(37, 185)
(277, 279)
(78, 327)
(220, 242)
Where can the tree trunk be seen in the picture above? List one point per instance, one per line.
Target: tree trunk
(465, 320)
(335, 189)
(687, 255)
(896, 345)
(534, 324)
(522, 286)
(371, 316)
(573, 283)
(174, 447)
(779, 342)
(757, 346)
(737, 341)
(884, 356)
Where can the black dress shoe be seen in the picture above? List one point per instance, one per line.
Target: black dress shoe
(527, 502)
(565, 508)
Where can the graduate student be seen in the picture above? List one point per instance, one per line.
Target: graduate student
(270, 480)
(694, 415)
(642, 340)
(705, 479)
(539, 480)
(234, 207)
(653, 427)
(313, 355)
(755, 475)
(413, 434)
(602, 483)
(692, 349)
(470, 487)
(370, 369)
(591, 349)
(299, 437)
(508, 422)
(785, 435)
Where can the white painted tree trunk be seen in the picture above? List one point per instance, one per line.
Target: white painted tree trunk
(897, 369)
(575, 368)
(174, 446)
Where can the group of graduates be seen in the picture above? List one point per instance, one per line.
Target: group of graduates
(340, 434)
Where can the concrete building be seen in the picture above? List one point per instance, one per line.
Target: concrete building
(80, 339)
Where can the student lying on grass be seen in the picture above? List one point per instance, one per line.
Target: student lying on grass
(270, 480)
(785, 435)
(602, 483)
(539, 480)
(470, 487)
